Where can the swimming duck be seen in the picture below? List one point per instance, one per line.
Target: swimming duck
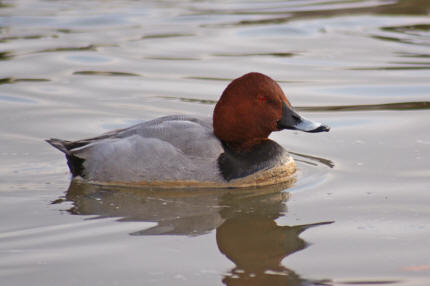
(232, 150)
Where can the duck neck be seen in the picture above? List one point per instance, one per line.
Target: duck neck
(246, 146)
(237, 161)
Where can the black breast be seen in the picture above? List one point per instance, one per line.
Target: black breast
(234, 164)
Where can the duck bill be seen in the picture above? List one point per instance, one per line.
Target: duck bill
(292, 120)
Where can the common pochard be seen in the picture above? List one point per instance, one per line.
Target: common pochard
(232, 150)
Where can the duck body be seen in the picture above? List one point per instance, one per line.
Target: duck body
(186, 151)
(175, 148)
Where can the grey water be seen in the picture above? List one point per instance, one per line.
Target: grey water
(358, 211)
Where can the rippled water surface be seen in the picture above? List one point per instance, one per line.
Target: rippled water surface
(358, 211)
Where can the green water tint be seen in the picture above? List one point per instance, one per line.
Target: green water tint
(104, 73)
(6, 56)
(364, 107)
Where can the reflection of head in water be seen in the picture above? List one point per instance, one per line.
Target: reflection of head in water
(257, 245)
(254, 242)
(244, 220)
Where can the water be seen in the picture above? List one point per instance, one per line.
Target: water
(358, 212)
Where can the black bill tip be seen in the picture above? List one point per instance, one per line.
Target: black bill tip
(321, 128)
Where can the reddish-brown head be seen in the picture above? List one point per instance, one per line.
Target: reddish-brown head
(248, 110)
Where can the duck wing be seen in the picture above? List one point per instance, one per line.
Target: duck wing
(174, 147)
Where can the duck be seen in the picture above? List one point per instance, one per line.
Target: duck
(232, 149)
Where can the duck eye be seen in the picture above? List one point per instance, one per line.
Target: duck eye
(261, 97)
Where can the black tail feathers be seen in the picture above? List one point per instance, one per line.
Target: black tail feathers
(75, 163)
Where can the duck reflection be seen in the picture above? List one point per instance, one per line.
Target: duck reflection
(257, 245)
(246, 230)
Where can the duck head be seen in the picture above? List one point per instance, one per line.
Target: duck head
(253, 106)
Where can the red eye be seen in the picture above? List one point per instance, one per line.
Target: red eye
(261, 97)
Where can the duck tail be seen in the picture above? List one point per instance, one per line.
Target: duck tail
(59, 144)
(75, 163)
